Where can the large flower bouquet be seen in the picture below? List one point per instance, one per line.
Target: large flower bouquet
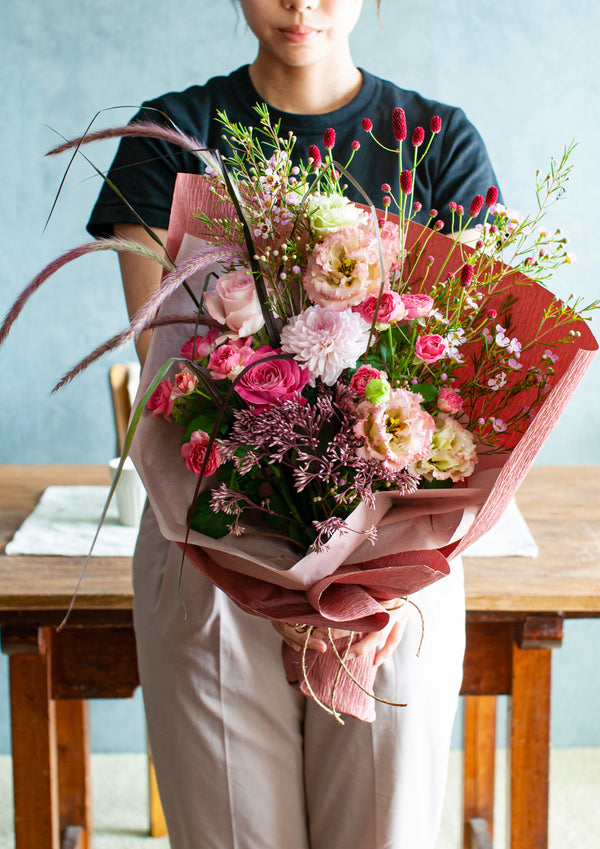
(337, 400)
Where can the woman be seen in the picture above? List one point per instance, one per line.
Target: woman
(242, 759)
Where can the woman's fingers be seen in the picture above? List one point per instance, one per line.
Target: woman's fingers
(295, 636)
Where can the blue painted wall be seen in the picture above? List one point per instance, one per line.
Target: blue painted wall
(526, 74)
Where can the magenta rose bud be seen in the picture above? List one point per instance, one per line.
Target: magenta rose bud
(491, 196)
(367, 125)
(436, 124)
(355, 145)
(449, 401)
(161, 402)
(406, 182)
(418, 136)
(194, 452)
(430, 348)
(361, 378)
(399, 123)
(315, 155)
(329, 138)
(476, 206)
(466, 275)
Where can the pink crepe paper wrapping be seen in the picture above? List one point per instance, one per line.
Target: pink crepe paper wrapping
(417, 534)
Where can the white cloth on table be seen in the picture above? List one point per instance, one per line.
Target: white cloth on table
(245, 761)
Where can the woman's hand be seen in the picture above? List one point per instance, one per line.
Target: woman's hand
(387, 640)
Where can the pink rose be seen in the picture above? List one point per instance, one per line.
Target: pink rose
(417, 306)
(235, 303)
(201, 346)
(185, 383)
(228, 360)
(271, 382)
(161, 402)
(397, 432)
(449, 401)
(430, 348)
(194, 452)
(391, 308)
(361, 378)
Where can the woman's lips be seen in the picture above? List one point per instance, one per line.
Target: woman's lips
(298, 35)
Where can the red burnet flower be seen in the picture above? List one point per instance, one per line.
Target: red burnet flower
(406, 182)
(355, 145)
(466, 274)
(329, 138)
(436, 124)
(452, 206)
(385, 187)
(386, 201)
(476, 206)
(417, 206)
(439, 225)
(491, 196)
(418, 136)
(399, 123)
(315, 155)
(460, 210)
(367, 125)
(433, 213)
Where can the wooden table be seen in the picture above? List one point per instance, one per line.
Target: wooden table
(515, 612)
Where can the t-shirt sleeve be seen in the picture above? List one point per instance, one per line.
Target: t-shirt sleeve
(462, 169)
(144, 172)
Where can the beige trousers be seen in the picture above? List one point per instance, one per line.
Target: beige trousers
(245, 762)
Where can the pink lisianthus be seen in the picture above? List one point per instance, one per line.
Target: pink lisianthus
(391, 309)
(199, 347)
(229, 359)
(235, 303)
(325, 341)
(361, 378)
(161, 400)
(194, 452)
(430, 348)
(449, 401)
(417, 306)
(343, 269)
(397, 432)
(185, 383)
(453, 454)
(271, 382)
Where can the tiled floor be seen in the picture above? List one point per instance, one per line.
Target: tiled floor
(121, 818)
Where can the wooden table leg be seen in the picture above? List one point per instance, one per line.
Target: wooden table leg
(529, 726)
(33, 739)
(73, 747)
(479, 765)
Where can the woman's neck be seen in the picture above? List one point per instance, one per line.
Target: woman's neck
(305, 90)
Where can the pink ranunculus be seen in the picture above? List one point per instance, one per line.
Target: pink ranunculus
(390, 309)
(417, 306)
(235, 303)
(361, 378)
(199, 347)
(430, 348)
(229, 359)
(343, 269)
(161, 402)
(271, 382)
(185, 383)
(397, 432)
(194, 452)
(449, 401)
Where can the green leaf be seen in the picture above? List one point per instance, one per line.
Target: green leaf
(206, 521)
(427, 390)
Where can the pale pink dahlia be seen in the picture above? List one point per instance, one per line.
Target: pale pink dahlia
(397, 432)
(325, 341)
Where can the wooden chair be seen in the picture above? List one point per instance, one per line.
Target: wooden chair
(124, 378)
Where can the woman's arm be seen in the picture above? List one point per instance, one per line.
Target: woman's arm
(141, 275)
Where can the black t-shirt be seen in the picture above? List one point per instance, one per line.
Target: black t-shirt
(456, 168)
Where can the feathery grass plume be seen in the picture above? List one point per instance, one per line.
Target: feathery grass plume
(144, 318)
(110, 244)
(147, 129)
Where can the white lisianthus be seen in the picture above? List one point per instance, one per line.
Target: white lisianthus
(452, 455)
(329, 213)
